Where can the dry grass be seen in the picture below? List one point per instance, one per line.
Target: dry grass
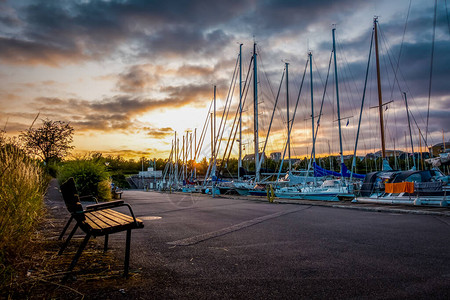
(39, 273)
(22, 187)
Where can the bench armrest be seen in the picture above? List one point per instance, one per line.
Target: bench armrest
(90, 197)
(104, 205)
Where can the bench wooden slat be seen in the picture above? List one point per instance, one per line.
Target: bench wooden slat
(111, 214)
(101, 221)
(108, 220)
(113, 218)
(115, 214)
(95, 220)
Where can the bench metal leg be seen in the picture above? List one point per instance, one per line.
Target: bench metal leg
(77, 256)
(65, 228)
(68, 239)
(106, 243)
(127, 254)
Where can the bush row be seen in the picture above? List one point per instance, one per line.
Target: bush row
(91, 177)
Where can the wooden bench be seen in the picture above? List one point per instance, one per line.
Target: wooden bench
(98, 220)
(117, 193)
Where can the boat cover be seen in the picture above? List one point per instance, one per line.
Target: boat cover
(319, 172)
(399, 187)
(424, 187)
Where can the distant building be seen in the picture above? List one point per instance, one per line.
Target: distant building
(145, 179)
(150, 173)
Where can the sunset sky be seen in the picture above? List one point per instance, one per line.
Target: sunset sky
(128, 74)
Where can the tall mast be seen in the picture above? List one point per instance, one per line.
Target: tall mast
(380, 97)
(407, 157)
(410, 133)
(212, 139)
(195, 154)
(420, 165)
(214, 130)
(191, 157)
(312, 107)
(183, 160)
(176, 159)
(240, 112)
(255, 112)
(287, 116)
(213, 172)
(186, 152)
(337, 99)
(353, 168)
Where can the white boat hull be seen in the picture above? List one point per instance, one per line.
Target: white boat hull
(437, 201)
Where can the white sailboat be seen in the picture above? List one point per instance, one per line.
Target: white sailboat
(329, 190)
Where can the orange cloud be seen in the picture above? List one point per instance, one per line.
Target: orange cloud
(159, 133)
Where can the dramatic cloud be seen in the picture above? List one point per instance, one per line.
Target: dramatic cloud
(119, 112)
(195, 94)
(147, 68)
(159, 133)
(136, 79)
(16, 51)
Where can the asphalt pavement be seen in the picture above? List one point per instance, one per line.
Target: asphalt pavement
(198, 247)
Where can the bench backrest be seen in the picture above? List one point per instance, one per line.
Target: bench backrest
(70, 196)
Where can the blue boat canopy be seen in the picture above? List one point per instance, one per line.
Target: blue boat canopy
(320, 172)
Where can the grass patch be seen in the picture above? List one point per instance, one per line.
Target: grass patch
(22, 187)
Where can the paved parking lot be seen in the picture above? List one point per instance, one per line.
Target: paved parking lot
(195, 246)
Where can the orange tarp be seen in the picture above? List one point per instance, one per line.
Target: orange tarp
(400, 187)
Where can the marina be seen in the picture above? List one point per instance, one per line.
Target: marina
(283, 180)
(251, 149)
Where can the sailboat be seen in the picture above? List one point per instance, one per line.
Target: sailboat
(256, 185)
(240, 186)
(413, 187)
(213, 183)
(293, 177)
(298, 177)
(329, 190)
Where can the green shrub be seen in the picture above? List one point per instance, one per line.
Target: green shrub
(120, 180)
(22, 187)
(90, 176)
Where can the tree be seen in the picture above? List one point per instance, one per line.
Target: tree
(49, 142)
